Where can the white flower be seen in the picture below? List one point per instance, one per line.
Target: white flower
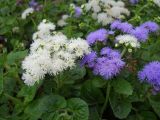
(157, 2)
(64, 17)
(27, 12)
(105, 11)
(51, 53)
(44, 30)
(79, 47)
(128, 40)
(36, 65)
(46, 26)
(62, 22)
(116, 12)
(104, 18)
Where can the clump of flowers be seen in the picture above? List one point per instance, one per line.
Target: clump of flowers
(141, 32)
(157, 2)
(27, 12)
(105, 11)
(76, 10)
(98, 35)
(62, 22)
(151, 74)
(33, 6)
(107, 65)
(125, 27)
(51, 53)
(128, 41)
(133, 1)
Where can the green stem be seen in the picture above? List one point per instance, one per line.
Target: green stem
(123, 52)
(142, 8)
(34, 23)
(12, 98)
(58, 84)
(107, 98)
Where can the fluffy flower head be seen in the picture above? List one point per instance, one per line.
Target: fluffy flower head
(151, 74)
(128, 40)
(27, 12)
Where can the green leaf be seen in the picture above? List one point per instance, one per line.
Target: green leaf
(91, 94)
(79, 109)
(70, 76)
(122, 86)
(1, 81)
(28, 92)
(147, 115)
(98, 82)
(14, 57)
(2, 59)
(155, 103)
(121, 107)
(93, 113)
(46, 104)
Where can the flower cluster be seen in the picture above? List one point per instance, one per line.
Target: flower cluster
(141, 32)
(77, 10)
(133, 1)
(62, 22)
(105, 11)
(27, 12)
(151, 75)
(128, 41)
(33, 6)
(107, 65)
(98, 35)
(157, 2)
(51, 53)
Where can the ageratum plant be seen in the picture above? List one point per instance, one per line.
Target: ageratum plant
(79, 60)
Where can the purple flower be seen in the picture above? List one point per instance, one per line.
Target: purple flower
(98, 35)
(133, 1)
(78, 11)
(151, 26)
(151, 74)
(115, 24)
(89, 59)
(19, 2)
(108, 68)
(122, 26)
(106, 51)
(35, 5)
(140, 33)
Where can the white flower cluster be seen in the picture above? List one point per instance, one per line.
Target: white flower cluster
(157, 2)
(128, 40)
(27, 12)
(62, 22)
(51, 53)
(105, 11)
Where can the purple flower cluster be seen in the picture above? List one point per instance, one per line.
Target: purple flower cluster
(78, 11)
(35, 5)
(107, 65)
(122, 26)
(133, 1)
(98, 35)
(141, 32)
(151, 75)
